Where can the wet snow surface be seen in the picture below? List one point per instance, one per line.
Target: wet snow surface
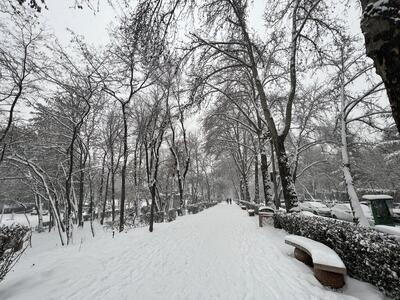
(219, 253)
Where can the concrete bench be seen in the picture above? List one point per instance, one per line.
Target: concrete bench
(329, 269)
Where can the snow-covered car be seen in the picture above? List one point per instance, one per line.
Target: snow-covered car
(315, 207)
(343, 211)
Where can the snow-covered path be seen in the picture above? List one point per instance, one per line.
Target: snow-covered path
(219, 253)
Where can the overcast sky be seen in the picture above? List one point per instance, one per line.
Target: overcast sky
(93, 25)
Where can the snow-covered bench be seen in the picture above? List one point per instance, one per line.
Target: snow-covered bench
(251, 212)
(329, 269)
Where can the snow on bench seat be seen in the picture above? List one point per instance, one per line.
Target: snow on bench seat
(323, 257)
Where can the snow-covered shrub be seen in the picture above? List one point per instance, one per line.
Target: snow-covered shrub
(192, 208)
(171, 214)
(368, 255)
(12, 244)
(251, 205)
(197, 207)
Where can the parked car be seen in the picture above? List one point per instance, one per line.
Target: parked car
(316, 208)
(342, 211)
(396, 212)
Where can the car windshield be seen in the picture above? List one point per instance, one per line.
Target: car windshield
(346, 206)
(317, 204)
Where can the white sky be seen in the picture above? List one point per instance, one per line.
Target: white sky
(93, 25)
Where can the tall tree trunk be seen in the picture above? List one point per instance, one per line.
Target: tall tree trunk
(91, 203)
(277, 200)
(354, 202)
(113, 196)
(241, 190)
(380, 26)
(288, 188)
(103, 165)
(153, 203)
(105, 199)
(68, 184)
(256, 181)
(246, 188)
(81, 188)
(123, 171)
(38, 206)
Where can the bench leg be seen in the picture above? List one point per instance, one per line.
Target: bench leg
(333, 280)
(260, 221)
(303, 257)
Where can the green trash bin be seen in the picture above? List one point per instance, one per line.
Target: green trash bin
(381, 208)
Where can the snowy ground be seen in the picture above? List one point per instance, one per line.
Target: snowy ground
(219, 253)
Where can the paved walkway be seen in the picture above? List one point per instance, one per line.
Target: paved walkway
(219, 253)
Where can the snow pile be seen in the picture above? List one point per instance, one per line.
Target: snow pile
(369, 255)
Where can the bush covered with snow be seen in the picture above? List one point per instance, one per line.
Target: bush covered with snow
(12, 241)
(197, 207)
(368, 255)
(251, 205)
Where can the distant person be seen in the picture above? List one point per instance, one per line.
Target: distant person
(227, 200)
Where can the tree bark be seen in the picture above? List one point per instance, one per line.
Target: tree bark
(289, 191)
(381, 28)
(105, 199)
(81, 188)
(256, 181)
(277, 200)
(39, 212)
(354, 202)
(123, 171)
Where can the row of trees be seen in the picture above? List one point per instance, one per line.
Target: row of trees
(299, 90)
(284, 107)
(100, 129)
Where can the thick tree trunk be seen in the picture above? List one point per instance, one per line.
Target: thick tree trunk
(246, 189)
(241, 190)
(289, 191)
(277, 200)
(123, 171)
(113, 196)
(103, 164)
(81, 189)
(354, 202)
(256, 181)
(264, 167)
(105, 199)
(153, 203)
(38, 206)
(381, 27)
